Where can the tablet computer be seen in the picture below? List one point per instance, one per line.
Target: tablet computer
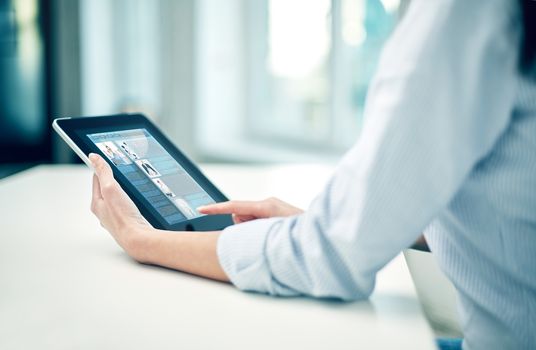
(163, 183)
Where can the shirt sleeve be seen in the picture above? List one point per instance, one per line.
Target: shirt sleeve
(442, 96)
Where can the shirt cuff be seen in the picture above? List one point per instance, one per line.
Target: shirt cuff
(241, 252)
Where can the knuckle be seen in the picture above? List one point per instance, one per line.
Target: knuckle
(93, 207)
(271, 202)
(108, 188)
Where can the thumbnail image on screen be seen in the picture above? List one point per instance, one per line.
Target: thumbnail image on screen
(154, 173)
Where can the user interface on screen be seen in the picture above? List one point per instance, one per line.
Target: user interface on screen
(154, 173)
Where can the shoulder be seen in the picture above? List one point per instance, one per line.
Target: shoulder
(436, 31)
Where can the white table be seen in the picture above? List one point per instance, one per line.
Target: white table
(65, 284)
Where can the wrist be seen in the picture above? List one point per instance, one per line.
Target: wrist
(137, 242)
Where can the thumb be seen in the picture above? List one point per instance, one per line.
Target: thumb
(103, 172)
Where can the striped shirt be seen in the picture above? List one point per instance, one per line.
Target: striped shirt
(449, 149)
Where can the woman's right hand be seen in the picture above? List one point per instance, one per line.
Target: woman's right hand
(243, 211)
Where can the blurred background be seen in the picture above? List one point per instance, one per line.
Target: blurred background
(228, 81)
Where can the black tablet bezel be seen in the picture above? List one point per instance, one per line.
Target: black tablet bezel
(77, 130)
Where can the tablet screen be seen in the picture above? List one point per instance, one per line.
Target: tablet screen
(158, 177)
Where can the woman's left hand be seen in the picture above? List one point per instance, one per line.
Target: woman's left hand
(192, 252)
(115, 210)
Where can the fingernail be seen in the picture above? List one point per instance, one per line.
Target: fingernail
(201, 207)
(93, 158)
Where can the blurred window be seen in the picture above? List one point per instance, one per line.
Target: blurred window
(240, 80)
(309, 66)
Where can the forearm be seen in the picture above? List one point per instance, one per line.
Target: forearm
(191, 252)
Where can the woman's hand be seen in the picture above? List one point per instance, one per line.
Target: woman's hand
(250, 210)
(192, 252)
(115, 210)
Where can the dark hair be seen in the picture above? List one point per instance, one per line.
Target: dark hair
(528, 44)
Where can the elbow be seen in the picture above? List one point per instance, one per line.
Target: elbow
(327, 288)
(347, 292)
(345, 296)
